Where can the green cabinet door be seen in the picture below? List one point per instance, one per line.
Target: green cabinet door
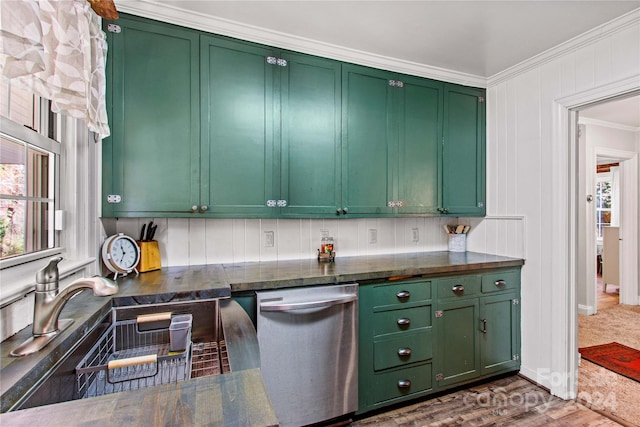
(457, 354)
(310, 154)
(418, 114)
(499, 337)
(151, 159)
(366, 136)
(464, 151)
(237, 125)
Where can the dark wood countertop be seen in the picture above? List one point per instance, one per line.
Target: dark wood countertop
(234, 399)
(283, 274)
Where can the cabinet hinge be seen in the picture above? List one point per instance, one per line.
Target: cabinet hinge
(439, 313)
(114, 28)
(114, 198)
(439, 377)
(276, 61)
(516, 357)
(396, 83)
(481, 99)
(481, 204)
(516, 301)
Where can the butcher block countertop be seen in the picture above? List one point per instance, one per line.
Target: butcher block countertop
(235, 399)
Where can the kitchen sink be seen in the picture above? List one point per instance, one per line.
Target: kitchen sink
(208, 354)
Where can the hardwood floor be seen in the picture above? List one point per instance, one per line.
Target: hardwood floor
(610, 298)
(510, 401)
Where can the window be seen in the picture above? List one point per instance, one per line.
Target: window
(28, 173)
(603, 202)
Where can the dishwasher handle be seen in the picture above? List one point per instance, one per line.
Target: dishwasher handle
(279, 305)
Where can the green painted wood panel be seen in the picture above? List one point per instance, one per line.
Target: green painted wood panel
(501, 341)
(386, 351)
(457, 352)
(152, 157)
(403, 320)
(464, 151)
(385, 389)
(419, 120)
(310, 100)
(366, 132)
(237, 124)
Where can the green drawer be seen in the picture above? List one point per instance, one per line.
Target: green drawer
(494, 282)
(402, 292)
(458, 287)
(402, 320)
(401, 382)
(389, 352)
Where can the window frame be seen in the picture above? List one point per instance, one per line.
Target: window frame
(22, 133)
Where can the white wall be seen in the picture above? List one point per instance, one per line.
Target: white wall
(598, 138)
(213, 241)
(521, 131)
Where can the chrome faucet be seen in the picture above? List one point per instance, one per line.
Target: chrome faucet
(49, 303)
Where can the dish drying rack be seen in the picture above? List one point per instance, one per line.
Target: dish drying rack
(125, 358)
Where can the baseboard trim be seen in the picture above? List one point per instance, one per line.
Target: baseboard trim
(586, 309)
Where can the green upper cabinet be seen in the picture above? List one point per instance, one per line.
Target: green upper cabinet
(217, 127)
(270, 131)
(391, 139)
(310, 155)
(237, 125)
(151, 160)
(464, 155)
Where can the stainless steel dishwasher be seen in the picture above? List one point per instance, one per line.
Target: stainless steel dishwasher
(308, 341)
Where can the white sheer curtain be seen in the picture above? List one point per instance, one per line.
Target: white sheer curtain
(57, 50)
(615, 196)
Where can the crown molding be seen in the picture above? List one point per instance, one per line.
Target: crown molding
(604, 123)
(212, 24)
(600, 32)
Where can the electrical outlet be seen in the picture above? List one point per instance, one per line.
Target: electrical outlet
(415, 235)
(269, 239)
(373, 236)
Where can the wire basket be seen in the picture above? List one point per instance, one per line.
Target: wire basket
(126, 359)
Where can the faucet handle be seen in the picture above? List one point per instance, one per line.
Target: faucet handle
(48, 275)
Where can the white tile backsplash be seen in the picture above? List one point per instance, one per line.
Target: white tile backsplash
(213, 241)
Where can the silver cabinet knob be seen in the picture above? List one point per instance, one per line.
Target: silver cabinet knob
(339, 211)
(404, 352)
(458, 288)
(194, 208)
(345, 210)
(403, 321)
(204, 208)
(500, 283)
(403, 294)
(404, 384)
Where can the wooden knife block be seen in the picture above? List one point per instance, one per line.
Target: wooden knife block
(149, 256)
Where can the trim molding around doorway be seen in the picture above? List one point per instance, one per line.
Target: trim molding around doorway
(564, 158)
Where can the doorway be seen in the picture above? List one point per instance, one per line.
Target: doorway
(607, 139)
(607, 203)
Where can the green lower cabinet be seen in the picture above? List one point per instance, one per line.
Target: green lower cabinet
(499, 337)
(458, 355)
(396, 343)
(400, 384)
(421, 336)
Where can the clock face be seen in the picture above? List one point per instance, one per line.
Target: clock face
(124, 253)
(120, 253)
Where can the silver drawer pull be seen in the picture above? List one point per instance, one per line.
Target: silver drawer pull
(403, 294)
(404, 384)
(404, 352)
(500, 283)
(404, 321)
(458, 288)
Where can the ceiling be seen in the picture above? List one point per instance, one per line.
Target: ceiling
(620, 111)
(480, 38)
